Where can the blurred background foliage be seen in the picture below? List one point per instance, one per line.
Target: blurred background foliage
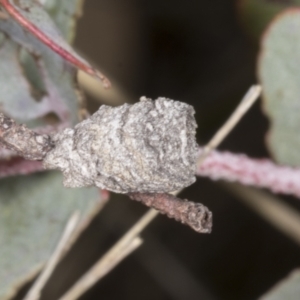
(204, 53)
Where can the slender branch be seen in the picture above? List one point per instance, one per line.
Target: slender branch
(131, 241)
(101, 269)
(35, 292)
(256, 172)
(19, 166)
(128, 243)
(248, 100)
(114, 96)
(195, 215)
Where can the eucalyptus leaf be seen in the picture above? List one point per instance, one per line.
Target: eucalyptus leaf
(287, 289)
(32, 16)
(279, 73)
(16, 91)
(33, 213)
(57, 76)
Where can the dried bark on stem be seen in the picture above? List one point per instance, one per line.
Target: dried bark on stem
(22, 140)
(195, 215)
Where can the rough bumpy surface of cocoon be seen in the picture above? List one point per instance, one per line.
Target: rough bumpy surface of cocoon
(149, 146)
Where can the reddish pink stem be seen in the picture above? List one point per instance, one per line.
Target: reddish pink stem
(51, 44)
(19, 166)
(256, 172)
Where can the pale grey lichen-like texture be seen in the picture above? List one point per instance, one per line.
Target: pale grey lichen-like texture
(22, 140)
(149, 146)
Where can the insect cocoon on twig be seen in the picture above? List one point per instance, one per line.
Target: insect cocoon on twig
(149, 146)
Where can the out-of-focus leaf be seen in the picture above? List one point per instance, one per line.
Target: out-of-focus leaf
(33, 212)
(16, 92)
(31, 15)
(279, 73)
(57, 77)
(34, 80)
(65, 15)
(256, 15)
(287, 289)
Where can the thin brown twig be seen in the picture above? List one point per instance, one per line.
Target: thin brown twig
(99, 270)
(248, 100)
(127, 244)
(195, 215)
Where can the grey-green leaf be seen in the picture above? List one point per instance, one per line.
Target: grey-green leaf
(33, 212)
(279, 73)
(58, 79)
(35, 81)
(33, 17)
(287, 289)
(65, 15)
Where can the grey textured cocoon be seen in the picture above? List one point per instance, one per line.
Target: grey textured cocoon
(149, 147)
